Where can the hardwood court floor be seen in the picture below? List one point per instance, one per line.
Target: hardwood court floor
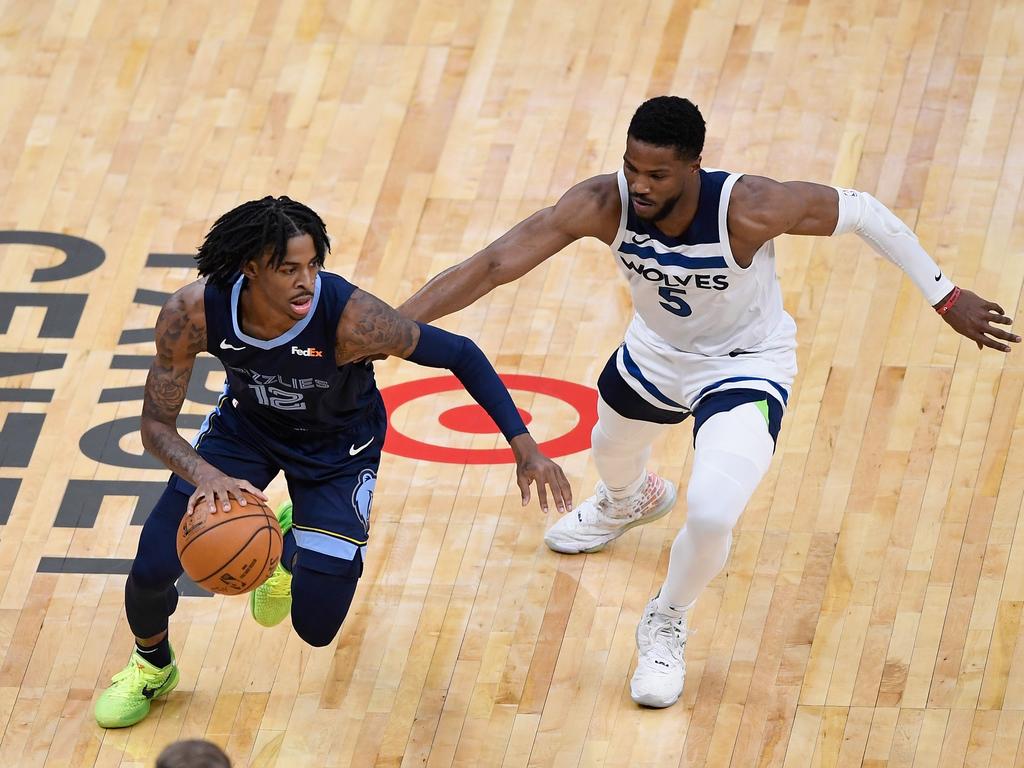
(871, 612)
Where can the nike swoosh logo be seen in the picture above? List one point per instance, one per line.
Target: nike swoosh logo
(224, 345)
(352, 451)
(641, 242)
(938, 277)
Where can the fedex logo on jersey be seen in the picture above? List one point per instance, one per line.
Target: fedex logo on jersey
(308, 352)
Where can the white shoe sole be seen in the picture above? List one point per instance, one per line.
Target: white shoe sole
(651, 701)
(664, 507)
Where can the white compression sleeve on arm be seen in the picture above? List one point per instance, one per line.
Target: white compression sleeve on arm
(889, 237)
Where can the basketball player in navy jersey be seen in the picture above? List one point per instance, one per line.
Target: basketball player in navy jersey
(709, 338)
(298, 399)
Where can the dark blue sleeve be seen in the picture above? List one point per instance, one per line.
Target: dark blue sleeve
(440, 349)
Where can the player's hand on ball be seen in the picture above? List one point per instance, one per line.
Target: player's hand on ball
(215, 487)
(973, 317)
(532, 466)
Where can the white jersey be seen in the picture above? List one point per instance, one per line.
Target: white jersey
(688, 291)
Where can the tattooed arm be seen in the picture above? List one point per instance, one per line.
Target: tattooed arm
(180, 336)
(369, 327)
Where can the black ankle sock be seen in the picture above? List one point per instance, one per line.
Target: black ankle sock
(158, 655)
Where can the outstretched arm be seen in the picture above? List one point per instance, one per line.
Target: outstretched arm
(180, 336)
(369, 327)
(762, 208)
(591, 208)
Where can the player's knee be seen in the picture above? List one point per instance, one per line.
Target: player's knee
(718, 491)
(709, 521)
(313, 631)
(156, 566)
(318, 626)
(152, 574)
(320, 599)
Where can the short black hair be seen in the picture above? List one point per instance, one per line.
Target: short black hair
(670, 121)
(193, 753)
(246, 232)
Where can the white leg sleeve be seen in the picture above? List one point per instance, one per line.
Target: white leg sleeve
(621, 448)
(733, 452)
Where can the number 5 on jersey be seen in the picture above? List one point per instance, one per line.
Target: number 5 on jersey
(672, 300)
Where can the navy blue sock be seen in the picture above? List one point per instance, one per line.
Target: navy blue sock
(158, 655)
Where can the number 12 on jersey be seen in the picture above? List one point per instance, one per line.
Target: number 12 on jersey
(279, 398)
(672, 300)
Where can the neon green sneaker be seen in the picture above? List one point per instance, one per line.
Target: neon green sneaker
(271, 601)
(128, 699)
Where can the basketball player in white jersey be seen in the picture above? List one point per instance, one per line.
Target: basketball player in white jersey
(709, 338)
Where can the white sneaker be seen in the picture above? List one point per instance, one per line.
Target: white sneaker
(599, 519)
(660, 667)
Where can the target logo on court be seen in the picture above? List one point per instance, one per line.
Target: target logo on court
(563, 407)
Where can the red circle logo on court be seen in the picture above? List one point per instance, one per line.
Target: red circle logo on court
(473, 419)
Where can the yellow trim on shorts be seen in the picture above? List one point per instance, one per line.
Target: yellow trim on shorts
(330, 533)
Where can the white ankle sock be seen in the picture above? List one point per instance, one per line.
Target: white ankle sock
(673, 611)
(619, 494)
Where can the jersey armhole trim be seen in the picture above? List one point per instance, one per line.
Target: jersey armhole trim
(723, 223)
(620, 177)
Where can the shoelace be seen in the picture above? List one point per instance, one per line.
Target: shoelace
(667, 640)
(136, 677)
(279, 585)
(604, 506)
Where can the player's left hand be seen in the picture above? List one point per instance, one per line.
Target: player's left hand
(532, 466)
(973, 317)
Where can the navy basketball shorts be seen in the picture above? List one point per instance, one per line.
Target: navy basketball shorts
(330, 476)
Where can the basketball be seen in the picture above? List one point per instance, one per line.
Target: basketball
(230, 552)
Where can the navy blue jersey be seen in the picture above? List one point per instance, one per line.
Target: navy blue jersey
(291, 383)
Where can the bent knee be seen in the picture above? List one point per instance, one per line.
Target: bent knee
(320, 600)
(316, 635)
(718, 492)
(709, 525)
(152, 575)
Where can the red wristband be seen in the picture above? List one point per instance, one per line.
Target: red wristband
(948, 304)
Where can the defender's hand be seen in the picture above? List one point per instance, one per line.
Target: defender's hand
(532, 466)
(973, 317)
(214, 485)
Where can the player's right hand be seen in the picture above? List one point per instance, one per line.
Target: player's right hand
(973, 317)
(216, 488)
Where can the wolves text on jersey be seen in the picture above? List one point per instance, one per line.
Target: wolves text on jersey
(691, 280)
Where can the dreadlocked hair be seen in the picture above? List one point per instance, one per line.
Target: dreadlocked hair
(669, 121)
(254, 229)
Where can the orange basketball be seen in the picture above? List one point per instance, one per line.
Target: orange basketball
(230, 552)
